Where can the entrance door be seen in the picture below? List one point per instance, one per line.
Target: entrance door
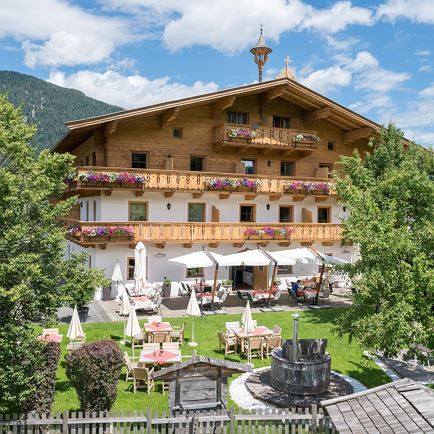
(260, 277)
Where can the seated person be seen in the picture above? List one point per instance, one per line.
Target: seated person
(295, 286)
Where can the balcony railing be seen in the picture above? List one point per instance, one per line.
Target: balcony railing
(188, 233)
(280, 138)
(89, 178)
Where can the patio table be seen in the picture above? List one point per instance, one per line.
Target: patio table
(142, 302)
(51, 337)
(155, 326)
(205, 298)
(159, 357)
(262, 295)
(308, 294)
(242, 336)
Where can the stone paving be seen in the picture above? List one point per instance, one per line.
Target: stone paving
(107, 311)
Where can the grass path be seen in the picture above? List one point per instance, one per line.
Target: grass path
(347, 358)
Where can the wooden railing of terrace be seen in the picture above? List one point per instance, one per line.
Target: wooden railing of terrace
(213, 233)
(275, 421)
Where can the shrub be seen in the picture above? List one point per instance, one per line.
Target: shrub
(94, 371)
(41, 400)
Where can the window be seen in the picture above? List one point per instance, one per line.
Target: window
(280, 122)
(285, 214)
(94, 210)
(197, 164)
(93, 158)
(86, 204)
(323, 214)
(238, 118)
(287, 168)
(284, 269)
(139, 160)
(195, 272)
(138, 211)
(247, 213)
(329, 167)
(130, 268)
(86, 160)
(331, 146)
(249, 166)
(196, 212)
(177, 132)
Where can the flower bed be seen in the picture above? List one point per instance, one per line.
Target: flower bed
(268, 232)
(241, 133)
(102, 231)
(106, 178)
(309, 187)
(306, 137)
(232, 184)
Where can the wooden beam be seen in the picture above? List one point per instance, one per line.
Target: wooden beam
(298, 198)
(213, 245)
(316, 115)
(160, 245)
(327, 243)
(285, 243)
(262, 243)
(197, 195)
(250, 196)
(360, 133)
(103, 246)
(131, 246)
(306, 243)
(222, 104)
(111, 127)
(272, 94)
(169, 193)
(139, 193)
(187, 245)
(241, 244)
(108, 192)
(224, 195)
(274, 197)
(168, 116)
(320, 198)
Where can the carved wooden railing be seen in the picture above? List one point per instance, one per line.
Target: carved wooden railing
(186, 181)
(265, 136)
(168, 232)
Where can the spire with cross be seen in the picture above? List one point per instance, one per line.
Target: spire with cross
(286, 72)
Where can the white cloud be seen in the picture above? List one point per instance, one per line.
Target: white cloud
(128, 91)
(231, 26)
(428, 92)
(425, 68)
(423, 53)
(54, 32)
(326, 80)
(418, 11)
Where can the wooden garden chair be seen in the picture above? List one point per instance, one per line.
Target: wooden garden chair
(141, 379)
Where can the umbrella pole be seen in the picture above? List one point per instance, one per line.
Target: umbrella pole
(319, 282)
(216, 270)
(273, 278)
(192, 343)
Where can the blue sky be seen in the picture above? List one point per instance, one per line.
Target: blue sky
(376, 57)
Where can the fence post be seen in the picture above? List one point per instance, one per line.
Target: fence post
(232, 421)
(65, 428)
(148, 421)
(314, 421)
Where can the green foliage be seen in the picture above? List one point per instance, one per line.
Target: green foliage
(390, 197)
(80, 281)
(49, 106)
(32, 244)
(41, 401)
(94, 371)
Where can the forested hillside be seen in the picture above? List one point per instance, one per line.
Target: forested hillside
(48, 105)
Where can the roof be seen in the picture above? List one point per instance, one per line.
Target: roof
(307, 99)
(202, 360)
(404, 406)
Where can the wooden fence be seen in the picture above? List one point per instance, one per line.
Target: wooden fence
(271, 421)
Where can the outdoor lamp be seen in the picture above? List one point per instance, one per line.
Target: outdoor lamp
(169, 205)
(268, 207)
(269, 163)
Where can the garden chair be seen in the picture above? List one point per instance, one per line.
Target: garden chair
(223, 298)
(137, 341)
(177, 333)
(154, 318)
(242, 296)
(130, 366)
(270, 343)
(325, 295)
(254, 347)
(227, 341)
(160, 337)
(156, 305)
(277, 330)
(231, 326)
(170, 346)
(141, 379)
(277, 296)
(183, 291)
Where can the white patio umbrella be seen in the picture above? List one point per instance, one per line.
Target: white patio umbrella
(140, 267)
(125, 305)
(301, 254)
(199, 259)
(75, 331)
(133, 327)
(193, 310)
(254, 258)
(117, 278)
(247, 319)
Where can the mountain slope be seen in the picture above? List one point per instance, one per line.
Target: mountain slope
(48, 105)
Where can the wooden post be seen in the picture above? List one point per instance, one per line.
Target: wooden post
(148, 421)
(65, 429)
(321, 273)
(314, 421)
(273, 276)
(216, 270)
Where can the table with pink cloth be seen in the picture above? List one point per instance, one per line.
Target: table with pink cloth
(206, 297)
(51, 337)
(142, 302)
(261, 295)
(159, 356)
(242, 336)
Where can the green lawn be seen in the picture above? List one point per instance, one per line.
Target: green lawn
(346, 358)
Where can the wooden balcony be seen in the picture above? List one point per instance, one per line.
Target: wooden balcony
(284, 140)
(207, 233)
(197, 183)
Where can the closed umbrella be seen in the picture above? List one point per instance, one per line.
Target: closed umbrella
(140, 267)
(75, 331)
(117, 278)
(125, 305)
(193, 310)
(247, 320)
(133, 327)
